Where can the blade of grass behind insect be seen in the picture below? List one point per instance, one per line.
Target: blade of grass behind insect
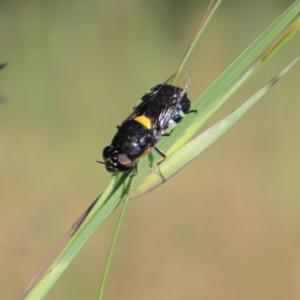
(198, 145)
(212, 98)
(235, 85)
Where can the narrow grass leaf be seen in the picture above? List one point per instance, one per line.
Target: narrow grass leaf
(105, 205)
(198, 145)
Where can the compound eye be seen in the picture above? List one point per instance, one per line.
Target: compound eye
(124, 161)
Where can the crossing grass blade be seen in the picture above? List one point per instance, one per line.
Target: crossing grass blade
(198, 145)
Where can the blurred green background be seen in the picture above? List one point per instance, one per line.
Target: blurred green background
(226, 227)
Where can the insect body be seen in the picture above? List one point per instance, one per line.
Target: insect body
(156, 114)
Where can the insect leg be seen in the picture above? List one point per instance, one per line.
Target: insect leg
(135, 168)
(163, 158)
(167, 133)
(160, 153)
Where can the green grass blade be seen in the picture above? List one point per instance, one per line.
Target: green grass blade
(106, 204)
(210, 101)
(212, 98)
(220, 91)
(198, 145)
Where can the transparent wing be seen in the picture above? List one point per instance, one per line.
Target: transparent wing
(180, 79)
(180, 82)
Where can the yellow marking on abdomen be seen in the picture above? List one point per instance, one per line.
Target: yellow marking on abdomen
(146, 122)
